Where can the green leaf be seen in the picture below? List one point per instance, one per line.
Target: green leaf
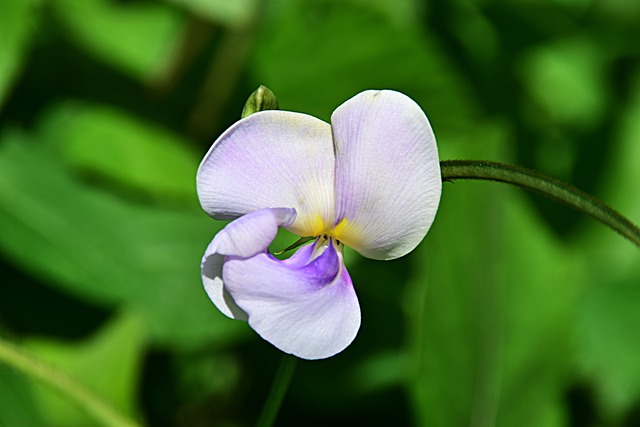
(609, 316)
(18, 406)
(19, 20)
(566, 78)
(108, 364)
(378, 371)
(107, 143)
(490, 311)
(608, 338)
(399, 12)
(138, 38)
(336, 48)
(231, 13)
(108, 250)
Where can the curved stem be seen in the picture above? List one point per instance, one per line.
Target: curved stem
(99, 410)
(543, 184)
(278, 390)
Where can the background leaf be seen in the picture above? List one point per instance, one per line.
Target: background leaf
(490, 345)
(18, 406)
(100, 26)
(105, 143)
(107, 364)
(513, 311)
(306, 77)
(608, 316)
(107, 250)
(19, 20)
(231, 13)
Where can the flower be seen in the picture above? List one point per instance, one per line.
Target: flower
(370, 180)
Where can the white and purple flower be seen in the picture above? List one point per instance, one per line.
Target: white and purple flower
(370, 180)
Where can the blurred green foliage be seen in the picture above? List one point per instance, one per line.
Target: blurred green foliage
(514, 311)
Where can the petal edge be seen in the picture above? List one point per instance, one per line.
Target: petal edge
(245, 237)
(388, 181)
(311, 312)
(270, 159)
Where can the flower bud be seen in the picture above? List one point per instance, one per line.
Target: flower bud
(261, 99)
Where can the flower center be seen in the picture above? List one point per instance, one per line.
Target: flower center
(317, 227)
(323, 242)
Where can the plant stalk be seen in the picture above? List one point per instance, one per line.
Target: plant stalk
(552, 188)
(278, 391)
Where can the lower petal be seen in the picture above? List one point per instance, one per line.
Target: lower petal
(252, 233)
(246, 236)
(211, 269)
(309, 310)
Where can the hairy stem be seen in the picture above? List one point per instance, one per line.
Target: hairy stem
(547, 186)
(28, 365)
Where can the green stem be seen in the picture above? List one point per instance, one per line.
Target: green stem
(278, 390)
(99, 410)
(543, 184)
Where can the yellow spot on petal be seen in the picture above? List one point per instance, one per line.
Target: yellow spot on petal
(318, 225)
(315, 225)
(309, 225)
(346, 232)
(340, 228)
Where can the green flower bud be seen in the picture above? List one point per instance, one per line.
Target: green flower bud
(261, 99)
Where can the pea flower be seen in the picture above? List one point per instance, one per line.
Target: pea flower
(370, 180)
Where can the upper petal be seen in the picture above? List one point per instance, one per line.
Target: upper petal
(388, 179)
(246, 236)
(270, 159)
(309, 310)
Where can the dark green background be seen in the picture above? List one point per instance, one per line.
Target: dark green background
(514, 311)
